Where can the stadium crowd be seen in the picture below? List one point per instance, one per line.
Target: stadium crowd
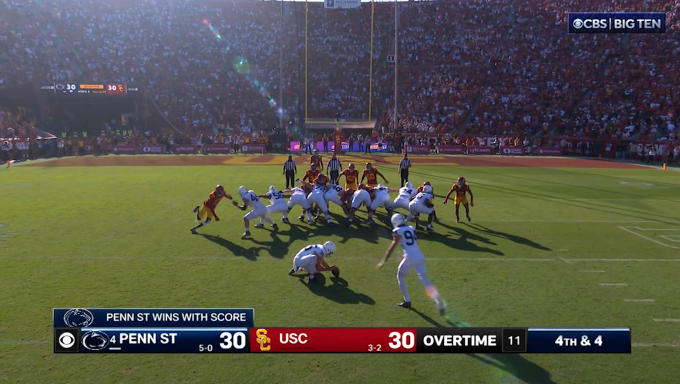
(498, 67)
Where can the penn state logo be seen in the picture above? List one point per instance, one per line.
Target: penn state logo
(78, 317)
(95, 340)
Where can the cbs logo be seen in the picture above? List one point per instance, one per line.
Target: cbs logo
(67, 340)
(589, 23)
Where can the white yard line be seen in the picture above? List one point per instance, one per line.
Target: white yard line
(639, 300)
(658, 345)
(614, 284)
(648, 238)
(589, 271)
(667, 320)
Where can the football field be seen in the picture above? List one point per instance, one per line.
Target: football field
(552, 243)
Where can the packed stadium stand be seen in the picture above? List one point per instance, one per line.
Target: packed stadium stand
(499, 67)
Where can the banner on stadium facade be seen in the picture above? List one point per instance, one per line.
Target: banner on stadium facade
(185, 149)
(253, 148)
(218, 148)
(450, 149)
(549, 151)
(340, 4)
(417, 149)
(475, 150)
(149, 149)
(123, 149)
(295, 147)
(512, 150)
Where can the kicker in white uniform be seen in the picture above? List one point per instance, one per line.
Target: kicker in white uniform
(405, 235)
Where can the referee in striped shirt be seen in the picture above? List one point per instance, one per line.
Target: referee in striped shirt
(334, 166)
(290, 169)
(404, 166)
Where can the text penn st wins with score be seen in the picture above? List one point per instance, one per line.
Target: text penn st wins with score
(176, 317)
(617, 22)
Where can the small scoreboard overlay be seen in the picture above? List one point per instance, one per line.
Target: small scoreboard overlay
(232, 330)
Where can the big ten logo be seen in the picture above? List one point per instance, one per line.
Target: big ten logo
(293, 338)
(263, 340)
(4, 234)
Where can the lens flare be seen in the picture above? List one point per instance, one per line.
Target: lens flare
(241, 65)
(212, 29)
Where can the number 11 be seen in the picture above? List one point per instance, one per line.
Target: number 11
(514, 337)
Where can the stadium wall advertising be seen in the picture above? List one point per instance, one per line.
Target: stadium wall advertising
(295, 147)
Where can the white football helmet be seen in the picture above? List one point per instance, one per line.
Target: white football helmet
(381, 186)
(409, 185)
(397, 220)
(272, 189)
(427, 189)
(329, 247)
(242, 190)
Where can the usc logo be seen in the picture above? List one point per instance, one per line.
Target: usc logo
(263, 340)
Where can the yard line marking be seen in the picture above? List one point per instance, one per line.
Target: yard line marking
(640, 300)
(561, 250)
(667, 320)
(565, 260)
(647, 238)
(587, 271)
(614, 284)
(663, 345)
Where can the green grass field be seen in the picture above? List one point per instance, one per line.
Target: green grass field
(541, 243)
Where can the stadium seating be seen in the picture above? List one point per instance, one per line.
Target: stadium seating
(486, 67)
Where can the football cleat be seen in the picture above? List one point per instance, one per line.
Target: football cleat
(196, 209)
(245, 234)
(405, 304)
(259, 225)
(276, 227)
(469, 219)
(442, 308)
(193, 230)
(292, 271)
(457, 220)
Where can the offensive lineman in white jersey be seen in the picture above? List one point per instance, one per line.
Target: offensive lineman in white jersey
(422, 203)
(317, 196)
(380, 196)
(406, 194)
(259, 210)
(359, 197)
(404, 235)
(277, 204)
(333, 196)
(299, 197)
(312, 259)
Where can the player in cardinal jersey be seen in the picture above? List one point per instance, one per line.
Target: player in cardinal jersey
(259, 210)
(316, 160)
(277, 204)
(207, 214)
(299, 197)
(360, 197)
(380, 196)
(351, 177)
(312, 259)
(404, 235)
(406, 194)
(311, 174)
(422, 203)
(371, 175)
(333, 196)
(461, 189)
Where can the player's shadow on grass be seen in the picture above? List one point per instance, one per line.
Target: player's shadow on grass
(511, 237)
(517, 366)
(279, 248)
(461, 243)
(247, 253)
(337, 291)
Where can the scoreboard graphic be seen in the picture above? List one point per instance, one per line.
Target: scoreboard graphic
(86, 89)
(232, 330)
